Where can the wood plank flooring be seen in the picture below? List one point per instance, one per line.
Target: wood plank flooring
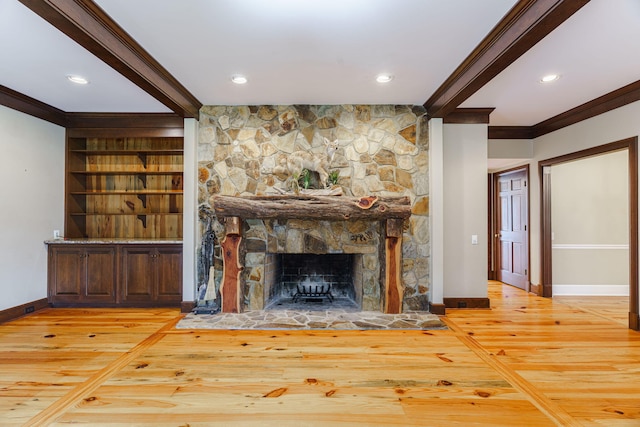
(528, 361)
(611, 308)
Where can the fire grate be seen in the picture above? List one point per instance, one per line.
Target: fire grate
(313, 292)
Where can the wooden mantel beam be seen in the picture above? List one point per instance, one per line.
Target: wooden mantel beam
(330, 208)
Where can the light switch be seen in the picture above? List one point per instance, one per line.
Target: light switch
(474, 239)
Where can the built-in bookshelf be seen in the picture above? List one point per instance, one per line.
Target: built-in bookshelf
(124, 187)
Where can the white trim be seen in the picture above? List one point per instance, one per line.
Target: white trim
(190, 211)
(590, 290)
(436, 208)
(590, 246)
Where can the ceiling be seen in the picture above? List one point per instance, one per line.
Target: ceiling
(323, 52)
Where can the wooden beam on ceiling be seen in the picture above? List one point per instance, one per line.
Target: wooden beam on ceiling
(87, 24)
(25, 104)
(528, 22)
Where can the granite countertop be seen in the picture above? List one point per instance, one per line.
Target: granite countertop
(110, 241)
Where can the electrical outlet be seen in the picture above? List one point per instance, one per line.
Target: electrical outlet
(56, 234)
(29, 309)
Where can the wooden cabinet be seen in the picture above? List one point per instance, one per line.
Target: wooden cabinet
(124, 187)
(123, 213)
(81, 274)
(115, 274)
(151, 274)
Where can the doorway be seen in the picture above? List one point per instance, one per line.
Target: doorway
(546, 281)
(589, 215)
(511, 227)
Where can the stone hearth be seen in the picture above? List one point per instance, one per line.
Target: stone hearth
(337, 319)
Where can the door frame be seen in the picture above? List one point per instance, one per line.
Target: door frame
(546, 282)
(494, 240)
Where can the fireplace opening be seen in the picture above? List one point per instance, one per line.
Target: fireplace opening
(313, 282)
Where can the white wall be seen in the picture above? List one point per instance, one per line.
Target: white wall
(507, 153)
(510, 149)
(465, 210)
(32, 193)
(590, 219)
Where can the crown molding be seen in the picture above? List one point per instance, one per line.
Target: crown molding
(528, 22)
(468, 116)
(88, 25)
(610, 101)
(25, 104)
(124, 120)
(510, 132)
(119, 125)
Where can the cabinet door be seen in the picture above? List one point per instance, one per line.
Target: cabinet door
(66, 273)
(169, 274)
(101, 274)
(137, 274)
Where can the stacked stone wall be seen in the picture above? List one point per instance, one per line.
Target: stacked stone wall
(382, 150)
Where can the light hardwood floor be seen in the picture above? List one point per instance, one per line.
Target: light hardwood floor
(528, 361)
(611, 308)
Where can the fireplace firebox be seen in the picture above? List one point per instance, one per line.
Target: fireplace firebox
(313, 281)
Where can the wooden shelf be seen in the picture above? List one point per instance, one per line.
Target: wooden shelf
(126, 173)
(101, 202)
(130, 152)
(126, 192)
(141, 216)
(85, 214)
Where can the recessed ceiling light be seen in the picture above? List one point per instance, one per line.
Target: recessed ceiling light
(384, 78)
(239, 79)
(77, 79)
(550, 78)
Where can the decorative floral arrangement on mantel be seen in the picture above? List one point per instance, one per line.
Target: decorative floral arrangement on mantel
(309, 183)
(309, 172)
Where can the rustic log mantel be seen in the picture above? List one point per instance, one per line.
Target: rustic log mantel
(330, 208)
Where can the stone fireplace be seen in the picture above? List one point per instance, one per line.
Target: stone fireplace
(383, 153)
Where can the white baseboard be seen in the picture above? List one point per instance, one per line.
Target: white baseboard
(591, 290)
